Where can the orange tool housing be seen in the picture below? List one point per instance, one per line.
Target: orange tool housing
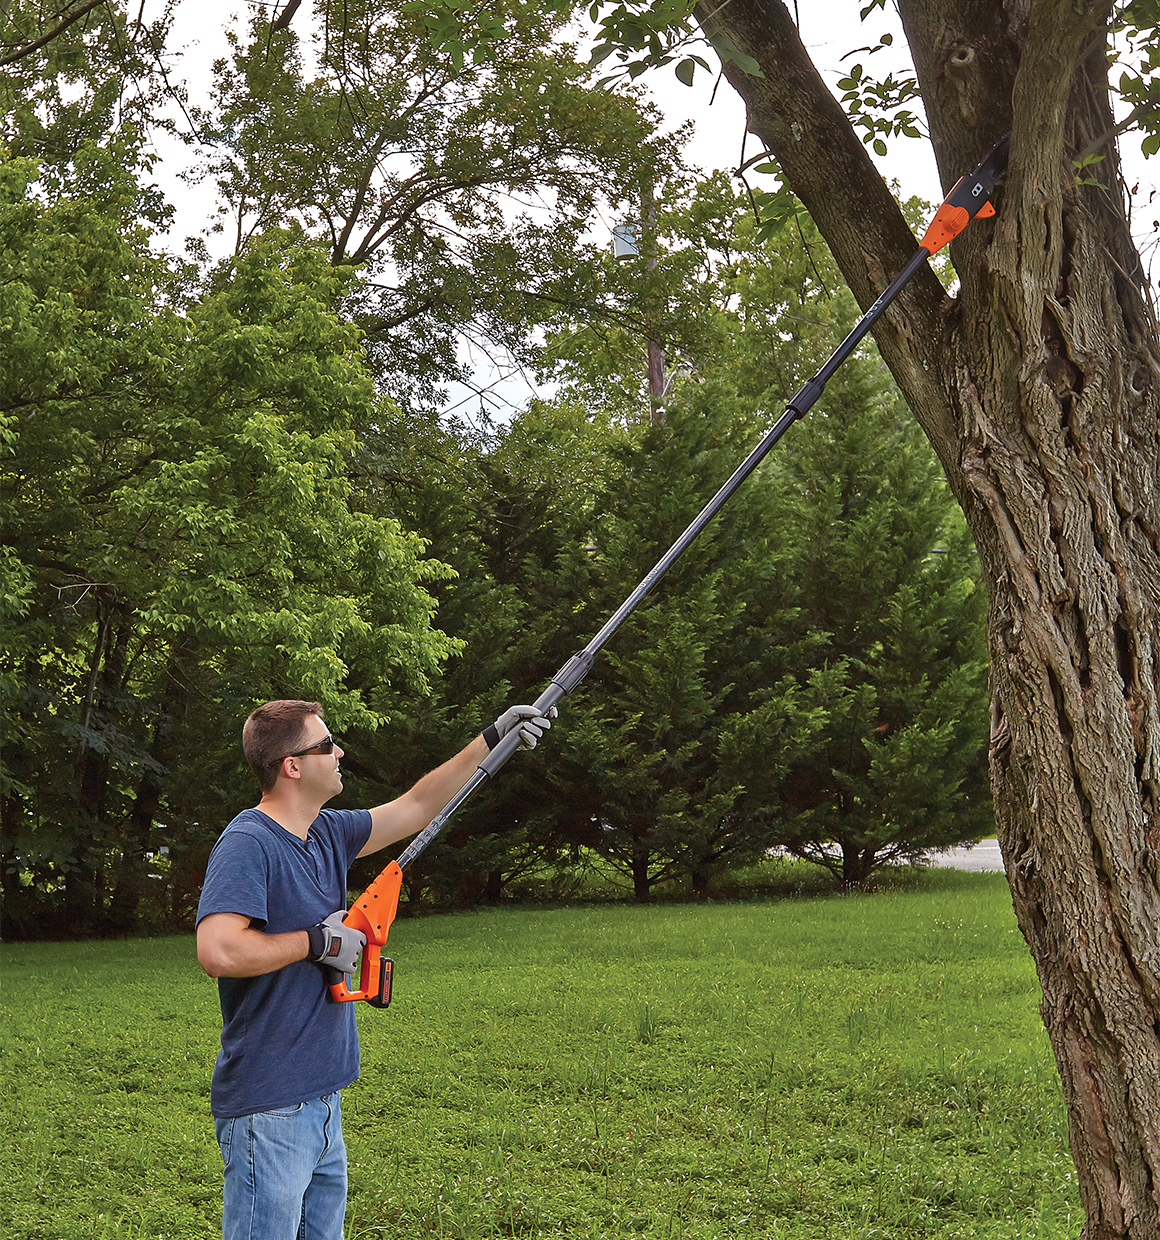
(949, 221)
(373, 913)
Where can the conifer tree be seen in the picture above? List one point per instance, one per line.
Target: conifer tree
(810, 672)
(876, 568)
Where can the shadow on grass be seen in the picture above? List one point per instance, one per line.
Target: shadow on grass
(774, 879)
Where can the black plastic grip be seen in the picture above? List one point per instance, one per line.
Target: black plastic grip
(574, 671)
(803, 399)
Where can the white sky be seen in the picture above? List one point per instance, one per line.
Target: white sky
(830, 29)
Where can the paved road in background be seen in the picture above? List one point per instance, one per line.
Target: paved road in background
(985, 855)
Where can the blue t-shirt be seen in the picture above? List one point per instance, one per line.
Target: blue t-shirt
(283, 1040)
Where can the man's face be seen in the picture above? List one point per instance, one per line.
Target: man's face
(320, 771)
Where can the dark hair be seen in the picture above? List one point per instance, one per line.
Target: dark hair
(271, 732)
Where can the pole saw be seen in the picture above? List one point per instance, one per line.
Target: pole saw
(374, 911)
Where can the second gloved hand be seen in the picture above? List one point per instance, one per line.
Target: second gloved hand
(335, 945)
(528, 719)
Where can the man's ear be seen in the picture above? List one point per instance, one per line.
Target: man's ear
(290, 768)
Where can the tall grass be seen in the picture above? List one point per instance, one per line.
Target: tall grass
(846, 1067)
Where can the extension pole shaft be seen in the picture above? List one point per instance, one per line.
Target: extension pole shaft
(970, 198)
(570, 675)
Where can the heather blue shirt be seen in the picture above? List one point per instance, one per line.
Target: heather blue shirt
(283, 1040)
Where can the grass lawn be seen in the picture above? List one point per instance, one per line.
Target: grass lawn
(859, 1066)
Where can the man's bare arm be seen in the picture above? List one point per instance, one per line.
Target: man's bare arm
(228, 946)
(410, 813)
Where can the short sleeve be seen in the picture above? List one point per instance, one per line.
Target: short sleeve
(353, 827)
(236, 878)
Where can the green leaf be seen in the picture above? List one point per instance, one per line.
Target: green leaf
(685, 70)
(748, 65)
(726, 49)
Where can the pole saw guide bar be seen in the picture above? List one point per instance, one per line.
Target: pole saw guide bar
(972, 198)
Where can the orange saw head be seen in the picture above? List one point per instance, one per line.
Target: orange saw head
(971, 199)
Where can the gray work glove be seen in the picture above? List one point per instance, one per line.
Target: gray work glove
(528, 719)
(335, 945)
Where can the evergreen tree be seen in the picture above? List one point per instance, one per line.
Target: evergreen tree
(660, 739)
(510, 516)
(876, 568)
(811, 669)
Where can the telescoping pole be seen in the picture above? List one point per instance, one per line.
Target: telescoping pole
(971, 198)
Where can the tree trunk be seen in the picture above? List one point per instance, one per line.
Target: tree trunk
(641, 854)
(132, 865)
(14, 906)
(1039, 387)
(857, 864)
(85, 881)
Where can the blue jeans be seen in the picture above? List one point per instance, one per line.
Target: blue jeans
(285, 1173)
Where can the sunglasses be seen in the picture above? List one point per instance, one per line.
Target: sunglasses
(324, 746)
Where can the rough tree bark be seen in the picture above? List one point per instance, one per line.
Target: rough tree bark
(1039, 387)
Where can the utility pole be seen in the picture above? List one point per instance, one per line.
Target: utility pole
(627, 242)
(656, 355)
(656, 382)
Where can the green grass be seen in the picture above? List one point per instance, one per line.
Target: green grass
(860, 1066)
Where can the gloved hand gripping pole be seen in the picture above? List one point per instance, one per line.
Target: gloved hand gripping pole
(971, 198)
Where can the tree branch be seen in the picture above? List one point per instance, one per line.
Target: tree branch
(282, 21)
(62, 26)
(796, 117)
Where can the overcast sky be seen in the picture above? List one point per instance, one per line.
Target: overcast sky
(830, 29)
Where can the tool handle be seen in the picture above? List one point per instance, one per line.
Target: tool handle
(372, 913)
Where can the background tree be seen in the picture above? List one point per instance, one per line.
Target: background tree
(805, 602)
(465, 191)
(178, 534)
(876, 571)
(79, 72)
(411, 167)
(510, 515)
(643, 736)
(501, 535)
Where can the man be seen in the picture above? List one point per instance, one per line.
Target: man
(269, 927)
